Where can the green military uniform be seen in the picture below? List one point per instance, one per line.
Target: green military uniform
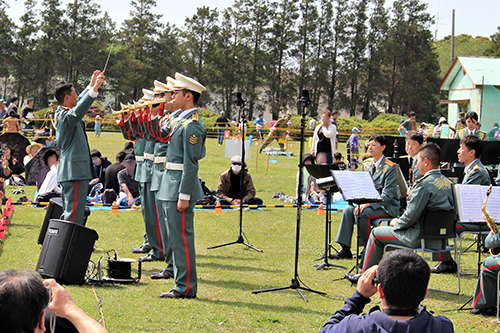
(416, 173)
(281, 127)
(148, 198)
(434, 191)
(160, 157)
(385, 180)
(474, 174)
(75, 168)
(485, 295)
(139, 146)
(493, 132)
(186, 147)
(465, 131)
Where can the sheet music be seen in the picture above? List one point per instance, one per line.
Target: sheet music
(469, 200)
(356, 185)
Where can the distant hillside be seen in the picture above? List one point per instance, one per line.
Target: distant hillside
(465, 45)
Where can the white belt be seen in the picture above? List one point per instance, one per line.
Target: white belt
(160, 159)
(150, 157)
(139, 158)
(174, 166)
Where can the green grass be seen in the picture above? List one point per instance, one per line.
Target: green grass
(226, 275)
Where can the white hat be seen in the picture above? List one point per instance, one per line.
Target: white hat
(184, 82)
(148, 95)
(160, 87)
(170, 83)
(28, 148)
(236, 159)
(442, 119)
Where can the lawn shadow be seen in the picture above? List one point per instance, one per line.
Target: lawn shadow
(237, 267)
(222, 257)
(265, 307)
(238, 285)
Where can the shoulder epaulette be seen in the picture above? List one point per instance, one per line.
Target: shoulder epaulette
(476, 167)
(389, 162)
(195, 117)
(418, 180)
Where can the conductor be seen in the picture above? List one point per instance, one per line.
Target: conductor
(75, 168)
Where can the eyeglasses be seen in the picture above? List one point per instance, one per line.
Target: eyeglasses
(236, 163)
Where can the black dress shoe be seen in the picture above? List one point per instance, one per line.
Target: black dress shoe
(353, 278)
(342, 255)
(149, 257)
(161, 275)
(442, 267)
(485, 312)
(141, 249)
(175, 294)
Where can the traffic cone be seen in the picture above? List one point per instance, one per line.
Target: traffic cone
(321, 210)
(218, 208)
(114, 208)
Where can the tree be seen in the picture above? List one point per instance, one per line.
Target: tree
(137, 37)
(7, 29)
(281, 41)
(494, 49)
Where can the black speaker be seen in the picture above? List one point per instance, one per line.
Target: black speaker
(66, 252)
(54, 211)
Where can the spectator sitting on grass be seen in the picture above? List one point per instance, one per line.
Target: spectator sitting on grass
(321, 158)
(228, 188)
(129, 187)
(401, 282)
(337, 159)
(27, 302)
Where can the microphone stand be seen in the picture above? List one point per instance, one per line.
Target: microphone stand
(240, 102)
(295, 281)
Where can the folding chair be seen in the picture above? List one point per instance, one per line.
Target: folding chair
(435, 225)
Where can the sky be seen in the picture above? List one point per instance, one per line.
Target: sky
(476, 18)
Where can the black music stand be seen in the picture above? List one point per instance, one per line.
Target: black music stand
(352, 201)
(322, 171)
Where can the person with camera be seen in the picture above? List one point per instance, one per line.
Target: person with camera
(29, 305)
(401, 309)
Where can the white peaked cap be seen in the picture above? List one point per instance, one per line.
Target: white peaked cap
(170, 83)
(160, 87)
(184, 82)
(148, 95)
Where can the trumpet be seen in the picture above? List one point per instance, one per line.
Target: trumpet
(490, 222)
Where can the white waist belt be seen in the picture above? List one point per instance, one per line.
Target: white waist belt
(150, 157)
(139, 158)
(174, 166)
(160, 159)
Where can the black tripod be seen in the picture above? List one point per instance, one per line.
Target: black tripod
(242, 117)
(295, 282)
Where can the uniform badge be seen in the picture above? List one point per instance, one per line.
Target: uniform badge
(441, 183)
(193, 139)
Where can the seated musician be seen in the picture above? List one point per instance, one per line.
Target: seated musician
(470, 149)
(485, 296)
(433, 190)
(413, 143)
(471, 120)
(384, 176)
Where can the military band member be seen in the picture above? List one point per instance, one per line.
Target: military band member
(433, 191)
(471, 120)
(75, 168)
(384, 176)
(485, 297)
(470, 149)
(413, 143)
(180, 187)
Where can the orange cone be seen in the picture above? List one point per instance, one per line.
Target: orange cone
(321, 210)
(218, 208)
(114, 208)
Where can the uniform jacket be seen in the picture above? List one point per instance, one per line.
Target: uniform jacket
(434, 191)
(140, 143)
(76, 163)
(160, 150)
(465, 131)
(477, 174)
(187, 147)
(347, 319)
(225, 184)
(386, 182)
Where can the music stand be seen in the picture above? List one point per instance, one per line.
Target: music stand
(322, 171)
(345, 186)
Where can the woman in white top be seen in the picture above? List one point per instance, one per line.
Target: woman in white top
(324, 137)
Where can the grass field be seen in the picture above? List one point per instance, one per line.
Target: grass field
(227, 275)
